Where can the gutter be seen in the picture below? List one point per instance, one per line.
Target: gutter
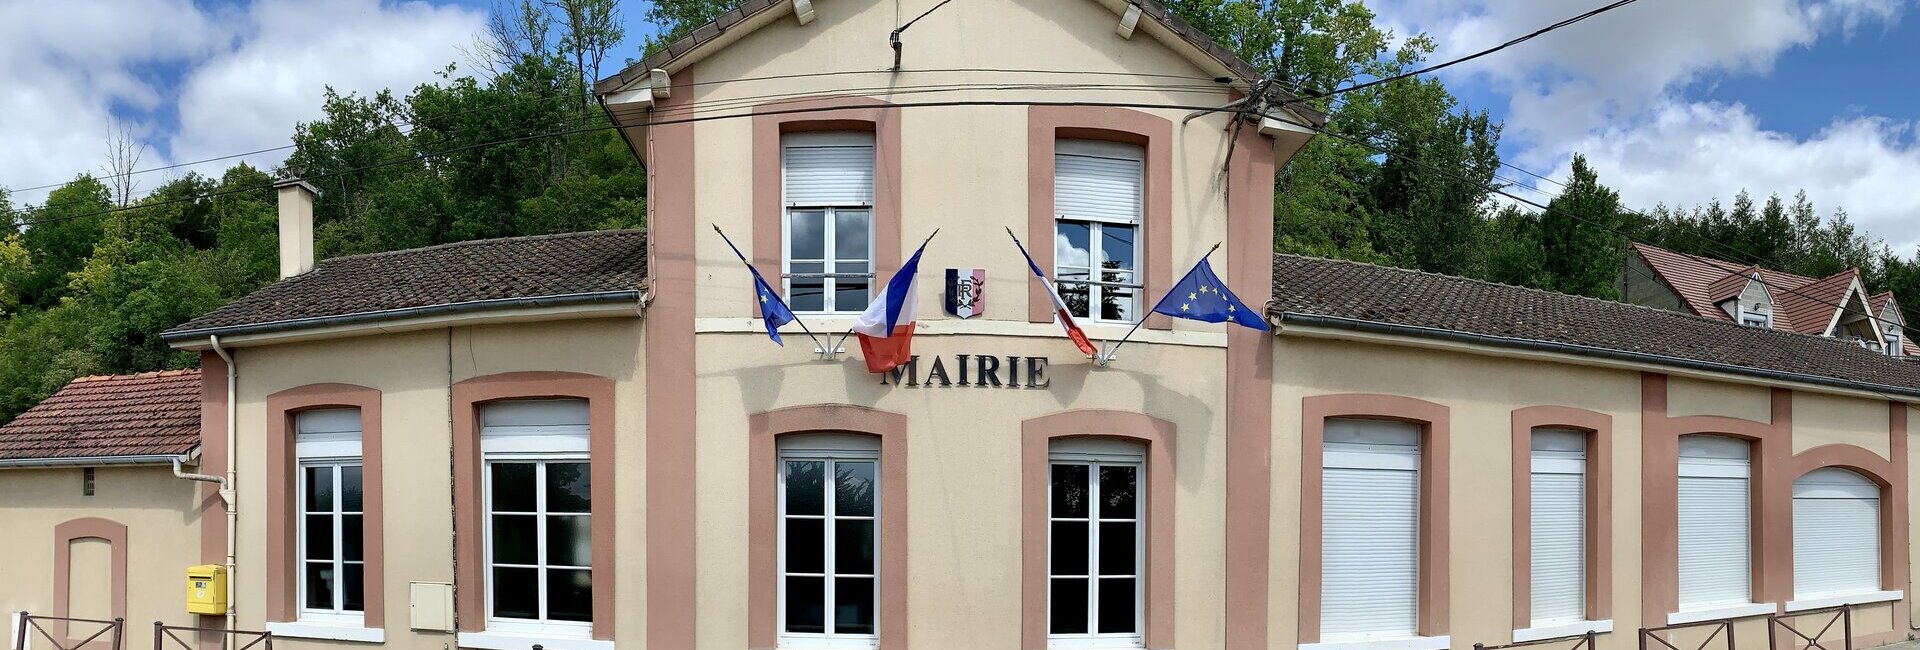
(1376, 327)
(227, 483)
(96, 461)
(561, 300)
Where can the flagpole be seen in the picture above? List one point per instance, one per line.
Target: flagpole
(1108, 357)
(821, 348)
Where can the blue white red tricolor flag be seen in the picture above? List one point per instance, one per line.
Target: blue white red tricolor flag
(886, 327)
(1060, 312)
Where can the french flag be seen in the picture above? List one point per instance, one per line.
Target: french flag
(886, 327)
(1059, 306)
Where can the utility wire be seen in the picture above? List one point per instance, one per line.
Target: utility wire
(1452, 62)
(758, 100)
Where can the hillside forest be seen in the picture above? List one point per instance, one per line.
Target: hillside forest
(92, 274)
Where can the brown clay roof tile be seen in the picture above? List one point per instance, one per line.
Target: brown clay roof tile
(152, 413)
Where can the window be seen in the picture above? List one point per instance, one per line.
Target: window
(1893, 342)
(829, 536)
(827, 191)
(332, 565)
(1836, 534)
(1095, 541)
(1755, 317)
(1714, 525)
(1370, 530)
(539, 526)
(1096, 201)
(1559, 526)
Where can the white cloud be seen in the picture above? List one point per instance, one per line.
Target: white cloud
(250, 73)
(1689, 153)
(66, 64)
(251, 96)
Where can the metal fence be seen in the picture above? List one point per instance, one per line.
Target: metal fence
(1841, 615)
(61, 637)
(229, 639)
(1722, 629)
(1585, 642)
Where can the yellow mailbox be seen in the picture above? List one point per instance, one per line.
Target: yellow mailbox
(207, 589)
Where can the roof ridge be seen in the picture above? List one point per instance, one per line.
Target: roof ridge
(1611, 303)
(140, 375)
(482, 242)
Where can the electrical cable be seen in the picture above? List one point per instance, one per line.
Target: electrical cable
(1449, 63)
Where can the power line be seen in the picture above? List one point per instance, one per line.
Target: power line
(603, 127)
(1446, 64)
(739, 102)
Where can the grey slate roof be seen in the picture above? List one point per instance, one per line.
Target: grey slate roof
(1353, 295)
(553, 269)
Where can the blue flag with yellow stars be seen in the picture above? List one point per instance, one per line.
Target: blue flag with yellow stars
(772, 309)
(1202, 296)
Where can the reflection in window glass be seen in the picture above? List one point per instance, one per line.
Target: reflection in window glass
(540, 531)
(1094, 548)
(829, 545)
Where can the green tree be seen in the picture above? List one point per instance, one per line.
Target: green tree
(60, 236)
(1582, 256)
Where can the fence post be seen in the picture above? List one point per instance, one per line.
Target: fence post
(1846, 624)
(1730, 644)
(20, 630)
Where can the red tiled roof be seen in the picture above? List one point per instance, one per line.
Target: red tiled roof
(1801, 304)
(151, 413)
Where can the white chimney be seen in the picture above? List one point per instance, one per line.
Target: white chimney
(296, 226)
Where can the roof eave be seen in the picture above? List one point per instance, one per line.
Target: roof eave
(196, 339)
(94, 461)
(1377, 327)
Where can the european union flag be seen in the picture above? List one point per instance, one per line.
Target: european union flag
(1202, 296)
(773, 310)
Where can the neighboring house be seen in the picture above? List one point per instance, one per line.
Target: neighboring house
(1836, 306)
(97, 524)
(586, 441)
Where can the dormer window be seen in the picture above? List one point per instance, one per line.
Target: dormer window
(1893, 342)
(1754, 318)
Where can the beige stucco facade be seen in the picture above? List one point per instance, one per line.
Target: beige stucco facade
(693, 386)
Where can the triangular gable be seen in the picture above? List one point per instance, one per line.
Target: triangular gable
(1159, 22)
(1854, 301)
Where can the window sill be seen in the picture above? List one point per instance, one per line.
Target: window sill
(1858, 598)
(825, 643)
(521, 641)
(1405, 643)
(1576, 628)
(1096, 642)
(328, 631)
(1718, 613)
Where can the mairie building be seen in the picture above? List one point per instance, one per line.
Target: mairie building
(587, 441)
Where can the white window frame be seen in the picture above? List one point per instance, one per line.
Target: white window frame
(830, 449)
(539, 444)
(322, 439)
(829, 262)
(1755, 318)
(1096, 248)
(1094, 453)
(1560, 452)
(1717, 457)
(1893, 343)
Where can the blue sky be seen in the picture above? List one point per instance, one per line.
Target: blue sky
(1673, 101)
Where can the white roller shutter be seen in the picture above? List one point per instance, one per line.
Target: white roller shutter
(1836, 534)
(827, 169)
(1370, 530)
(1559, 532)
(1715, 531)
(535, 426)
(1097, 181)
(327, 433)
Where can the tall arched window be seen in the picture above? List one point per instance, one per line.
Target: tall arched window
(1716, 532)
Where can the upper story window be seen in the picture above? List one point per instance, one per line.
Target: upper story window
(1893, 341)
(1715, 528)
(1836, 534)
(1755, 316)
(332, 567)
(829, 536)
(1097, 198)
(827, 200)
(539, 522)
(1558, 487)
(1095, 543)
(1370, 530)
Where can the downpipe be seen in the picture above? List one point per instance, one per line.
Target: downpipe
(227, 491)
